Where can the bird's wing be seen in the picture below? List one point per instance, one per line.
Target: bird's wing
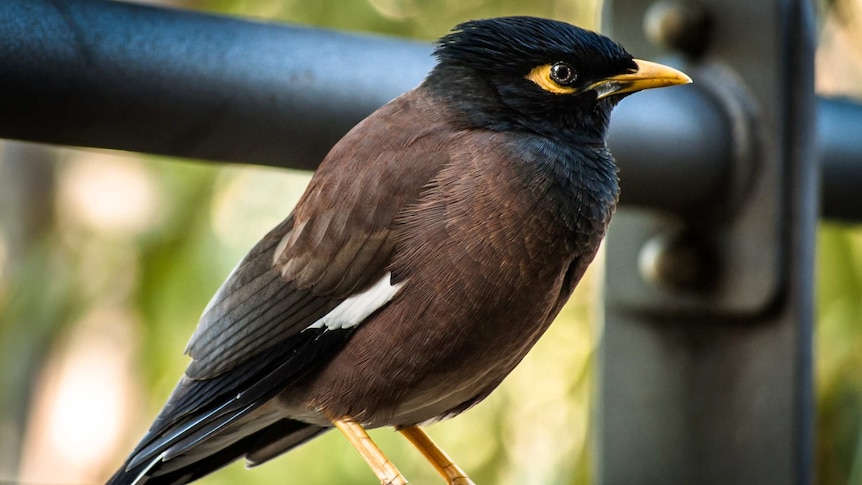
(295, 299)
(334, 249)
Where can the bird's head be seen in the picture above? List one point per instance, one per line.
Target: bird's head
(540, 75)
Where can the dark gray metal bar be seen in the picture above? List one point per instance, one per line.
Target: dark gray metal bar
(672, 148)
(682, 164)
(131, 77)
(839, 141)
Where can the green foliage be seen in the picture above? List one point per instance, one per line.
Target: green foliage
(839, 355)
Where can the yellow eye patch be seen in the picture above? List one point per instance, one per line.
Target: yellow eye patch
(541, 75)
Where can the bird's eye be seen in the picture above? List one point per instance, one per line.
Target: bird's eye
(563, 73)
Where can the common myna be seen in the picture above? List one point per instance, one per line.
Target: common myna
(432, 248)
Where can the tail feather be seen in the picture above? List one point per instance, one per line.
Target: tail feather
(268, 443)
(277, 441)
(209, 423)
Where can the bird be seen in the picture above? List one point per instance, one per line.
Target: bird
(433, 246)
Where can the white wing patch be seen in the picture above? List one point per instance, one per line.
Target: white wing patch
(354, 310)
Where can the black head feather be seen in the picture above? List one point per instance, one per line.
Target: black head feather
(483, 64)
(522, 42)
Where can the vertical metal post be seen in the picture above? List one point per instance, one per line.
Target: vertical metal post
(705, 360)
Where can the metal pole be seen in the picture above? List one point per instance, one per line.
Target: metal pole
(839, 125)
(119, 75)
(706, 351)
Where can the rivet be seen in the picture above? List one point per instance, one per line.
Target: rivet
(680, 27)
(678, 261)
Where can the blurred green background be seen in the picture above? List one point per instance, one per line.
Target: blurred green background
(108, 258)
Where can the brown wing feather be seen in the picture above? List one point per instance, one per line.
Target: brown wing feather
(337, 242)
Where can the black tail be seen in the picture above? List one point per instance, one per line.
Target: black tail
(258, 447)
(207, 424)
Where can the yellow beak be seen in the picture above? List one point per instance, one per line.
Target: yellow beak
(648, 75)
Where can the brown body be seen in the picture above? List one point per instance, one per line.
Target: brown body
(477, 242)
(433, 247)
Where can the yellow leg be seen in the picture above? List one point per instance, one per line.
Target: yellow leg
(444, 465)
(380, 465)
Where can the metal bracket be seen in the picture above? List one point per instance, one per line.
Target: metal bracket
(724, 259)
(705, 355)
(701, 259)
